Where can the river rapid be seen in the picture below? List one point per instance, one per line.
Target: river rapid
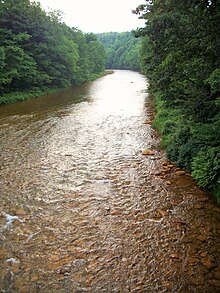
(84, 209)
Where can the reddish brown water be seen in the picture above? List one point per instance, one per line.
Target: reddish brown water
(83, 210)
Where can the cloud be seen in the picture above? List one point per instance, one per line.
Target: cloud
(97, 15)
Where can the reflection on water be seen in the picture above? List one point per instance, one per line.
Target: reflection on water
(47, 104)
(80, 202)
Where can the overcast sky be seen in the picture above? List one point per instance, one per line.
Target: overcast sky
(97, 15)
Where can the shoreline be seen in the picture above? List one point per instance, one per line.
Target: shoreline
(19, 96)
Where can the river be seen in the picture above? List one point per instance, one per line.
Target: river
(84, 210)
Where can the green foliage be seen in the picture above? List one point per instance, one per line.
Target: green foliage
(24, 95)
(122, 50)
(2, 58)
(214, 81)
(180, 56)
(166, 121)
(96, 52)
(38, 50)
(206, 169)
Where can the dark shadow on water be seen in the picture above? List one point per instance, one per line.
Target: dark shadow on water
(48, 103)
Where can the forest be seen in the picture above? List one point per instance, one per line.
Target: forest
(180, 57)
(38, 51)
(122, 50)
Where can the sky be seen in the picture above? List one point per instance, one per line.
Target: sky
(97, 16)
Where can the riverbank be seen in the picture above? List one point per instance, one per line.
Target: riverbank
(190, 144)
(191, 217)
(19, 96)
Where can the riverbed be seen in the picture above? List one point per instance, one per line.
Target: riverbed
(89, 202)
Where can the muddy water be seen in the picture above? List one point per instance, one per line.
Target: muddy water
(83, 210)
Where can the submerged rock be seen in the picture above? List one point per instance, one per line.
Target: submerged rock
(180, 173)
(148, 152)
(208, 262)
(147, 122)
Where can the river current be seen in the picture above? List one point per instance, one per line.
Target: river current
(83, 209)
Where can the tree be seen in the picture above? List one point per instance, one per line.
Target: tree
(180, 56)
(122, 50)
(38, 50)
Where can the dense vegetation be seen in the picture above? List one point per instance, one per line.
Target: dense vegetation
(38, 51)
(180, 56)
(122, 50)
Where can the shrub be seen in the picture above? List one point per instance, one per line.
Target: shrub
(206, 169)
